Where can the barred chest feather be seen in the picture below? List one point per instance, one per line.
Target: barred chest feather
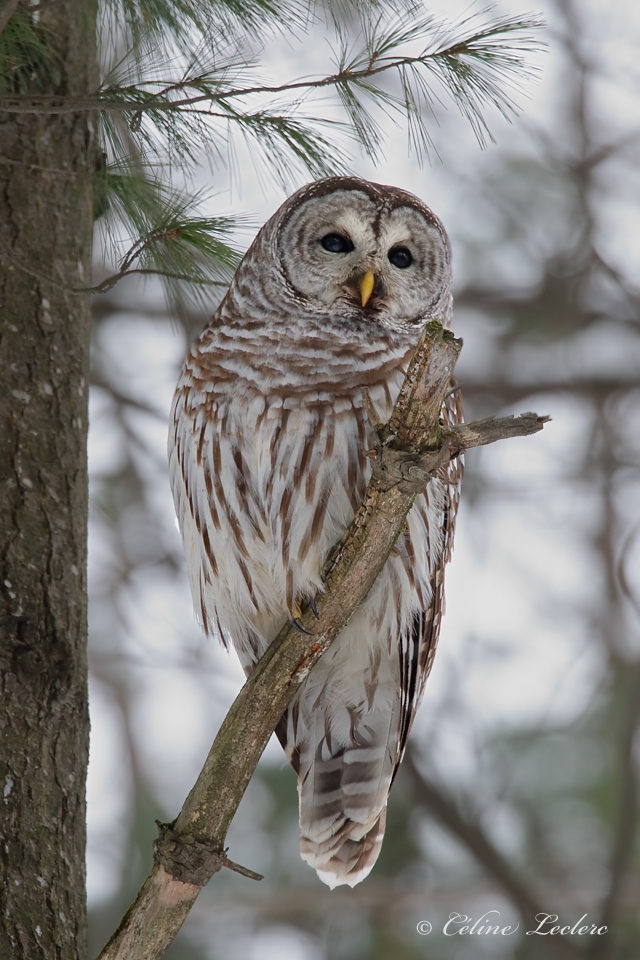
(267, 474)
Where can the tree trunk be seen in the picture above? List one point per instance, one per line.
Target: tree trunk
(45, 250)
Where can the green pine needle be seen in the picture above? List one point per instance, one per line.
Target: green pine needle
(27, 61)
(168, 238)
(168, 99)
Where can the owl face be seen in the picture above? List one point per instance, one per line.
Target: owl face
(368, 250)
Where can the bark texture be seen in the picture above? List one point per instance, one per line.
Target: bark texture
(45, 251)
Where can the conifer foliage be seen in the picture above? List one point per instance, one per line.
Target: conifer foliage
(182, 79)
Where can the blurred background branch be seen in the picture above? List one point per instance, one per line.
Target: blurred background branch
(462, 825)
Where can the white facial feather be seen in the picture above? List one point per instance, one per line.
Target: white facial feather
(374, 229)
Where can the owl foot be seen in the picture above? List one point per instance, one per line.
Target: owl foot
(296, 613)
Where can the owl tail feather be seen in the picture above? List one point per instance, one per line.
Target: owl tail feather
(343, 797)
(347, 857)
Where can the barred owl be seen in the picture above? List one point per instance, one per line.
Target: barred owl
(267, 460)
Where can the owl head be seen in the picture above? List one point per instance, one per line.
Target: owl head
(350, 252)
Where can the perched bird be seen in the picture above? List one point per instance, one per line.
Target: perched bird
(267, 459)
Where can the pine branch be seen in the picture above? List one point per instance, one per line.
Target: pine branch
(191, 849)
(28, 61)
(472, 69)
(109, 282)
(147, 23)
(137, 100)
(7, 10)
(170, 241)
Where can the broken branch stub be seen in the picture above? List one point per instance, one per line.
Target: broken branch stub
(415, 420)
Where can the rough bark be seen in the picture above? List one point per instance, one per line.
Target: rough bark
(45, 250)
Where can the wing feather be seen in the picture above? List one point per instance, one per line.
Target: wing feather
(418, 643)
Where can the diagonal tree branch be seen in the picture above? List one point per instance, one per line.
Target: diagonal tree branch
(410, 449)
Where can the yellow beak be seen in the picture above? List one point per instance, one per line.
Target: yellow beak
(366, 286)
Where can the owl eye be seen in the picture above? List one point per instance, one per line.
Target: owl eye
(336, 243)
(400, 257)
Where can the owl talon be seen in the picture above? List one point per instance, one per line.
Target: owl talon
(298, 626)
(313, 608)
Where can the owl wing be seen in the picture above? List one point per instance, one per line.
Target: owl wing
(417, 646)
(418, 643)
